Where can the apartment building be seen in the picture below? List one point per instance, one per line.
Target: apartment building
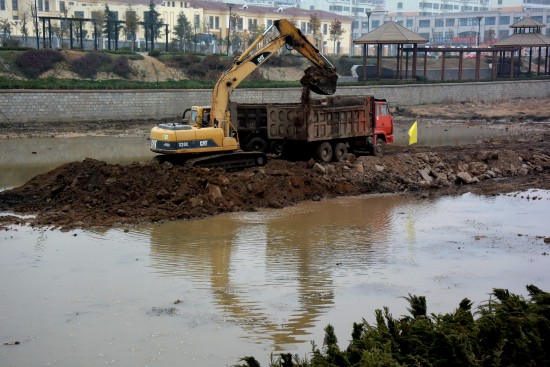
(205, 17)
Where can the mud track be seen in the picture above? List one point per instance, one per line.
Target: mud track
(94, 193)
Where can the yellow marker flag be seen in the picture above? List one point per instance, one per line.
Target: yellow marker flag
(413, 132)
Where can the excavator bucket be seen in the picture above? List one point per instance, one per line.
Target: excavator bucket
(320, 80)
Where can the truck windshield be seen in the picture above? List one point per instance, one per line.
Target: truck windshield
(383, 109)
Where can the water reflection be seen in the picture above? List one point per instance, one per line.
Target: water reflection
(273, 271)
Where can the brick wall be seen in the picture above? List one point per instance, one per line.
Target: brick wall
(49, 106)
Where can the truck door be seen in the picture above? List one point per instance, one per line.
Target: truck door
(383, 121)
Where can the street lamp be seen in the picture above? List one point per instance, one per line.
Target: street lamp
(230, 6)
(479, 18)
(369, 13)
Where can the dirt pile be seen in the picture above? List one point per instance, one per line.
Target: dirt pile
(95, 193)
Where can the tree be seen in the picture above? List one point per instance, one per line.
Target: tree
(182, 31)
(64, 27)
(23, 28)
(34, 15)
(335, 32)
(5, 29)
(131, 25)
(111, 26)
(153, 22)
(99, 19)
(255, 32)
(315, 23)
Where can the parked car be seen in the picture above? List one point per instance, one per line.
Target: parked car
(471, 55)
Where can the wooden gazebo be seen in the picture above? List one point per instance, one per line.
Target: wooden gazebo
(389, 33)
(527, 33)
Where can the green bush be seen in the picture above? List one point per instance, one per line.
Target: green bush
(197, 71)
(90, 64)
(214, 62)
(121, 67)
(509, 331)
(35, 62)
(154, 53)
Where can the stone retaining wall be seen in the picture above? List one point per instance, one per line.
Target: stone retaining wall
(18, 106)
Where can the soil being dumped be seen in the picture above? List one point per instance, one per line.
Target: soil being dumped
(95, 193)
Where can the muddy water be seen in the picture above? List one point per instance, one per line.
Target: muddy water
(22, 159)
(207, 292)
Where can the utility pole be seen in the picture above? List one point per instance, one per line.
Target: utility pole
(479, 18)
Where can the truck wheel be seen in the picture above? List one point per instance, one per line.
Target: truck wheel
(324, 152)
(379, 148)
(340, 151)
(256, 144)
(277, 147)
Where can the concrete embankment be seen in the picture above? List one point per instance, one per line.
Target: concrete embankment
(20, 106)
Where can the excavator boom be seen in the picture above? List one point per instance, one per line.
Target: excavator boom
(321, 78)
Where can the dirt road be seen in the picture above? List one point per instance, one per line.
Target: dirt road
(95, 193)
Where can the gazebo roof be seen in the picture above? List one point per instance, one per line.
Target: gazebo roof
(527, 22)
(390, 33)
(525, 40)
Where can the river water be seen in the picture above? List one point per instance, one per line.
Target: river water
(210, 291)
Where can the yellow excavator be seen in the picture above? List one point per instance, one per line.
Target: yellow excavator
(205, 137)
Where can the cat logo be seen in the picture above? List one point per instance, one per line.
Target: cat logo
(203, 143)
(260, 59)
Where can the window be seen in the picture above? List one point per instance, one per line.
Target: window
(40, 6)
(47, 5)
(325, 29)
(424, 23)
(490, 21)
(439, 22)
(503, 34)
(375, 24)
(79, 14)
(61, 6)
(2, 4)
(355, 24)
(504, 19)
(252, 24)
(303, 27)
(15, 5)
(269, 23)
(410, 23)
(399, 5)
(499, 2)
(450, 22)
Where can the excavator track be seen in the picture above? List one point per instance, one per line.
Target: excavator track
(228, 161)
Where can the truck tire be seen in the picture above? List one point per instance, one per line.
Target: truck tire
(340, 151)
(324, 152)
(277, 147)
(256, 144)
(379, 148)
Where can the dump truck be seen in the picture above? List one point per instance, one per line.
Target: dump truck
(322, 128)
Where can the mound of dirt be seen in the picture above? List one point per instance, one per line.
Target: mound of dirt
(94, 193)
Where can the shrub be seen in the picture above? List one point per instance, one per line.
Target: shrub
(35, 62)
(89, 65)
(212, 75)
(213, 62)
(154, 53)
(197, 71)
(121, 67)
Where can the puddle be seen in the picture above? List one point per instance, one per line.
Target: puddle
(208, 292)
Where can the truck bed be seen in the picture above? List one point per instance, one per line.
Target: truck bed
(330, 120)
